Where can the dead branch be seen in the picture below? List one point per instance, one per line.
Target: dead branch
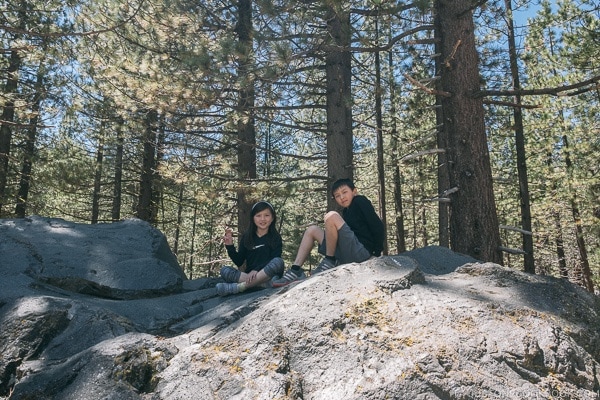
(449, 191)
(451, 56)
(425, 88)
(421, 153)
(511, 251)
(587, 85)
(439, 199)
(513, 228)
(423, 41)
(443, 198)
(509, 104)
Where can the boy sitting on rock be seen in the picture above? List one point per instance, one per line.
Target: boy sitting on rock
(354, 236)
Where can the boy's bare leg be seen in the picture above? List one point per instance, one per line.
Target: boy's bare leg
(311, 235)
(333, 223)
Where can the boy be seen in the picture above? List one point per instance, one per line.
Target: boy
(354, 236)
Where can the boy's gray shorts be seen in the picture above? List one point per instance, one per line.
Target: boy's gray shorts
(348, 249)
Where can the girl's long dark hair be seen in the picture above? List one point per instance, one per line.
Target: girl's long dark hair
(273, 235)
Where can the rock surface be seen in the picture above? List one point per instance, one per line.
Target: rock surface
(104, 312)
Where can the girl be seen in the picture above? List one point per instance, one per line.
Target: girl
(260, 249)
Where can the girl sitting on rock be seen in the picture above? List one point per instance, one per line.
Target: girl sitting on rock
(260, 249)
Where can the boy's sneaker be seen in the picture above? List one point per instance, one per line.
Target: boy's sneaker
(289, 277)
(324, 265)
(224, 289)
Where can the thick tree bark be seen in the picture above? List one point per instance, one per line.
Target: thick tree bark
(473, 220)
(246, 149)
(339, 97)
(7, 118)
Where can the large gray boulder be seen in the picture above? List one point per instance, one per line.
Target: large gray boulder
(125, 260)
(427, 324)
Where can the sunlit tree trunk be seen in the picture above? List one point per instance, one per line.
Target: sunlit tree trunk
(380, 155)
(528, 259)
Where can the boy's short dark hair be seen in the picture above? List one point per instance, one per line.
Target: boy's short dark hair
(342, 182)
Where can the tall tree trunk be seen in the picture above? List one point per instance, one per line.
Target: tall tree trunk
(443, 170)
(246, 125)
(380, 163)
(7, 118)
(193, 241)
(339, 96)
(180, 206)
(583, 267)
(443, 182)
(144, 207)
(560, 246)
(528, 259)
(179, 219)
(473, 221)
(98, 178)
(157, 184)
(29, 149)
(400, 234)
(558, 235)
(423, 211)
(118, 178)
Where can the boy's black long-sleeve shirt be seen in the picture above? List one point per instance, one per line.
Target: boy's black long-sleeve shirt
(365, 223)
(257, 257)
